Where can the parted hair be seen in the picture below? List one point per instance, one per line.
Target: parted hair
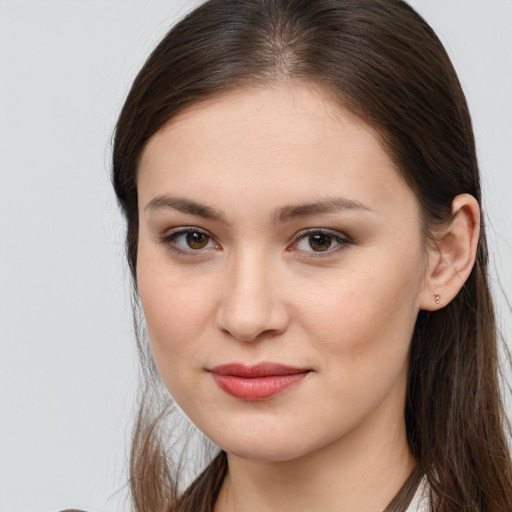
(383, 62)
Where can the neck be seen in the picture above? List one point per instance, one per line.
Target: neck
(361, 472)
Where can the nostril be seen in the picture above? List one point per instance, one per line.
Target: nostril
(251, 324)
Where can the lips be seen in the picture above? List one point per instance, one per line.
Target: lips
(259, 382)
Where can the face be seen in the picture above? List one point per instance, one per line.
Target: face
(281, 268)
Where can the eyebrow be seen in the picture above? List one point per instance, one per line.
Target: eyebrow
(328, 205)
(282, 214)
(184, 206)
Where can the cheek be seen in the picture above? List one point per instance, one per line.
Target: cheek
(368, 310)
(362, 328)
(177, 308)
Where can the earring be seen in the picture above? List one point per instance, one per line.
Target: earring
(437, 298)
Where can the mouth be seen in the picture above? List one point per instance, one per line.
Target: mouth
(258, 382)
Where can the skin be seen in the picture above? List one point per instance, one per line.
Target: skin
(254, 291)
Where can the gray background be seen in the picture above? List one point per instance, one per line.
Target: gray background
(67, 360)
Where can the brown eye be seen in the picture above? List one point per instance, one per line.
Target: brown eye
(190, 241)
(320, 242)
(317, 241)
(197, 240)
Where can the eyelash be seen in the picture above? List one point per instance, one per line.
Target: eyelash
(169, 240)
(335, 237)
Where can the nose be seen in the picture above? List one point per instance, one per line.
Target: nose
(252, 305)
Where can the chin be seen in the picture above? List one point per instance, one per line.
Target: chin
(266, 445)
(268, 452)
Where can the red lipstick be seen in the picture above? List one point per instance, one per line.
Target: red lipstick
(257, 382)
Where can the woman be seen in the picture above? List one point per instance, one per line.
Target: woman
(302, 199)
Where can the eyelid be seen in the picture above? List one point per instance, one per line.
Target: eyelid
(341, 238)
(170, 235)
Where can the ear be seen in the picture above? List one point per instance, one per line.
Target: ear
(453, 254)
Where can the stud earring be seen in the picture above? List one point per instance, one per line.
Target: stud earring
(437, 298)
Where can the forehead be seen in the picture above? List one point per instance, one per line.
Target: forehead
(283, 110)
(288, 139)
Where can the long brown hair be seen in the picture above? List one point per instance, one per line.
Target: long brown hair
(383, 62)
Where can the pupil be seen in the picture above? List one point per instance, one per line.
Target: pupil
(320, 242)
(196, 240)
